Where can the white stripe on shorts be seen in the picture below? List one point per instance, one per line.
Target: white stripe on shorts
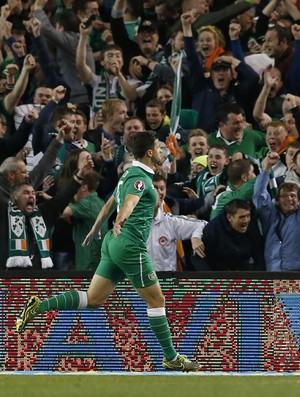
(141, 270)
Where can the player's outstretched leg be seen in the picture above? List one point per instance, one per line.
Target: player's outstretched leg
(69, 300)
(181, 363)
(28, 313)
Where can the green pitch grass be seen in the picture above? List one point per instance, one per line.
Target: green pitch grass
(152, 386)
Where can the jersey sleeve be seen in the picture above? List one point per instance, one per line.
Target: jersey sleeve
(136, 185)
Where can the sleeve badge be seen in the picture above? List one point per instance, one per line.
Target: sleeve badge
(139, 185)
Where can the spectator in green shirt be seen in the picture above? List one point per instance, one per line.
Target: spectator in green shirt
(241, 179)
(83, 213)
(233, 133)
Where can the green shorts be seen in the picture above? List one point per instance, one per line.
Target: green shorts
(121, 257)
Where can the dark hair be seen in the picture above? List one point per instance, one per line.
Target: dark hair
(220, 146)
(158, 178)
(70, 167)
(282, 33)
(224, 110)
(236, 169)
(233, 206)
(142, 142)
(109, 47)
(17, 186)
(91, 180)
(80, 5)
(294, 145)
(59, 113)
(82, 114)
(156, 103)
(168, 87)
(135, 118)
(68, 21)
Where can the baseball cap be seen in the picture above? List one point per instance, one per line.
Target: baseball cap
(219, 63)
(147, 25)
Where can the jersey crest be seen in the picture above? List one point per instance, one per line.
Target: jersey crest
(139, 185)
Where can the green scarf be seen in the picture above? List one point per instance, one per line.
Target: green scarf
(18, 245)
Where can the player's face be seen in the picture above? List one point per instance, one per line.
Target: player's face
(156, 156)
(240, 220)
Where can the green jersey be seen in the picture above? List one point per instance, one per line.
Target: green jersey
(137, 180)
(85, 212)
(252, 144)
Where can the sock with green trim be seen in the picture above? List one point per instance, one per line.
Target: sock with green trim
(159, 325)
(69, 300)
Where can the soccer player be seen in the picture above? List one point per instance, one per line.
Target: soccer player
(124, 253)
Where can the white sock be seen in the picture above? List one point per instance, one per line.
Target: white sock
(83, 299)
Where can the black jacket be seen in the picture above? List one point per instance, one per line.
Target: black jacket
(227, 249)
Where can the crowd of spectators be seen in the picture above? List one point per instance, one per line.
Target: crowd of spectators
(80, 78)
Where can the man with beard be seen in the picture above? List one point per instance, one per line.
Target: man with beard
(124, 254)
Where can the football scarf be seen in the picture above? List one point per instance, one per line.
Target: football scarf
(18, 249)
